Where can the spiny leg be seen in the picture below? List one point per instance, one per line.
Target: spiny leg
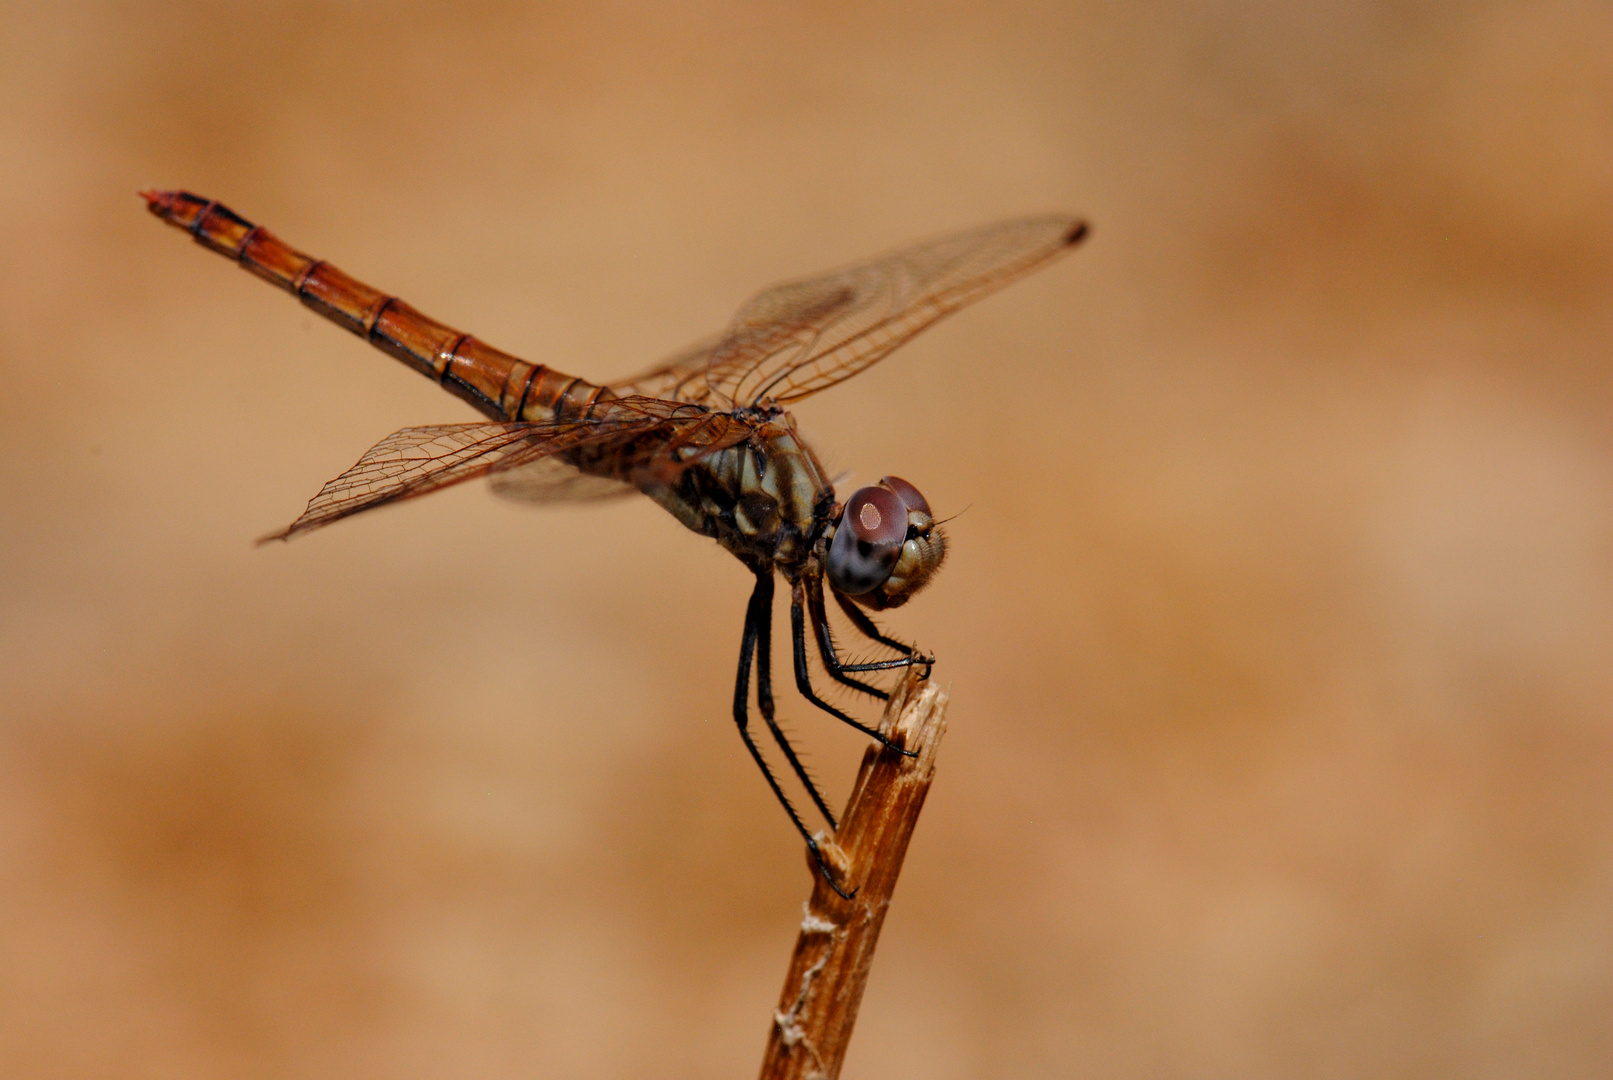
(865, 626)
(764, 692)
(803, 677)
(755, 612)
(826, 648)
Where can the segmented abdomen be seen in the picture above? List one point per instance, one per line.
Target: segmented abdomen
(502, 386)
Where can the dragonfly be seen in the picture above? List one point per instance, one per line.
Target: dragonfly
(705, 434)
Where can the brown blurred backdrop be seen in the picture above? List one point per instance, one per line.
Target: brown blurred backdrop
(1278, 625)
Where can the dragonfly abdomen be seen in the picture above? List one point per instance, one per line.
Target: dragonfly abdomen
(501, 386)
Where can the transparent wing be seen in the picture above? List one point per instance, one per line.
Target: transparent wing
(624, 438)
(551, 480)
(681, 377)
(800, 337)
(409, 463)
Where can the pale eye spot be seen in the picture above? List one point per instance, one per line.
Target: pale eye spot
(869, 516)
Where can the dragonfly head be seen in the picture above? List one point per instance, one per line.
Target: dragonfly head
(886, 545)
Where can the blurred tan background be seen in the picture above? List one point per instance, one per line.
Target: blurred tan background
(1278, 624)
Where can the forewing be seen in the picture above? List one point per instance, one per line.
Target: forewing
(800, 337)
(681, 377)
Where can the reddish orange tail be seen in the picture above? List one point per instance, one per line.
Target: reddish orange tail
(502, 386)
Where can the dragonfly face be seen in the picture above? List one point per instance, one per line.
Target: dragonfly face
(886, 545)
(705, 433)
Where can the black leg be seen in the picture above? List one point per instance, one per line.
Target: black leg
(826, 648)
(866, 627)
(803, 677)
(758, 610)
(764, 692)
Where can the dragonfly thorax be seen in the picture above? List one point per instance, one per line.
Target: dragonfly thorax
(766, 499)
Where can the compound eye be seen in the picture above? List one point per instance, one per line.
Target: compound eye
(876, 516)
(868, 541)
(907, 493)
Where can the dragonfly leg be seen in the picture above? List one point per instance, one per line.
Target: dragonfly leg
(757, 614)
(803, 677)
(826, 646)
(764, 691)
(866, 627)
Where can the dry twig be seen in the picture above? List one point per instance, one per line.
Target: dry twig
(812, 1024)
